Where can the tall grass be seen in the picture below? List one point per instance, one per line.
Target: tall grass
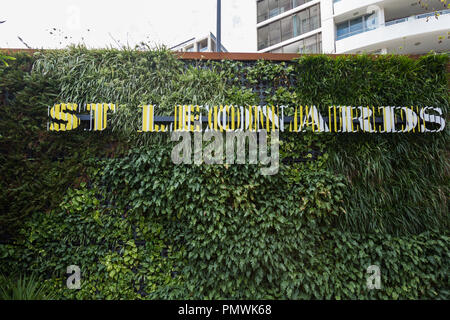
(129, 78)
(24, 287)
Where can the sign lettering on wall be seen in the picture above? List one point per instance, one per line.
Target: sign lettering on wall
(343, 119)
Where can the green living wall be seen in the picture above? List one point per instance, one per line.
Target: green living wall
(139, 226)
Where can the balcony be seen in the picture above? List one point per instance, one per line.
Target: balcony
(368, 23)
(416, 17)
(424, 28)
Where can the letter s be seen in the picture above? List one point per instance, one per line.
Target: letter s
(432, 118)
(57, 113)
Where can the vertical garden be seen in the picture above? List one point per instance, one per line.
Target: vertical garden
(140, 227)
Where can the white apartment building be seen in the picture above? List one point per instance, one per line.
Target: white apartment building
(199, 44)
(352, 26)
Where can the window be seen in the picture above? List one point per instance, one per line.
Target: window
(190, 48)
(285, 5)
(342, 30)
(263, 37)
(297, 3)
(371, 21)
(273, 8)
(270, 8)
(358, 25)
(289, 27)
(302, 22)
(203, 45)
(307, 20)
(286, 28)
(314, 16)
(274, 33)
(311, 44)
(263, 10)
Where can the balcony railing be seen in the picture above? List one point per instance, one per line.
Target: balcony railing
(393, 22)
(416, 17)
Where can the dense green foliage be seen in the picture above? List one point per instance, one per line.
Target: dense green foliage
(37, 167)
(139, 226)
(102, 243)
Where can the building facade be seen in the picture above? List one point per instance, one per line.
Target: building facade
(352, 26)
(206, 43)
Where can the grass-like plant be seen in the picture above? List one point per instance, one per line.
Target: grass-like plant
(23, 287)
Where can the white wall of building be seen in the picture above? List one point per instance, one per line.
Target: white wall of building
(344, 6)
(328, 27)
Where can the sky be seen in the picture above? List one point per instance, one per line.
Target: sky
(102, 23)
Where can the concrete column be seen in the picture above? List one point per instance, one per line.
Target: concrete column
(328, 27)
(381, 17)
